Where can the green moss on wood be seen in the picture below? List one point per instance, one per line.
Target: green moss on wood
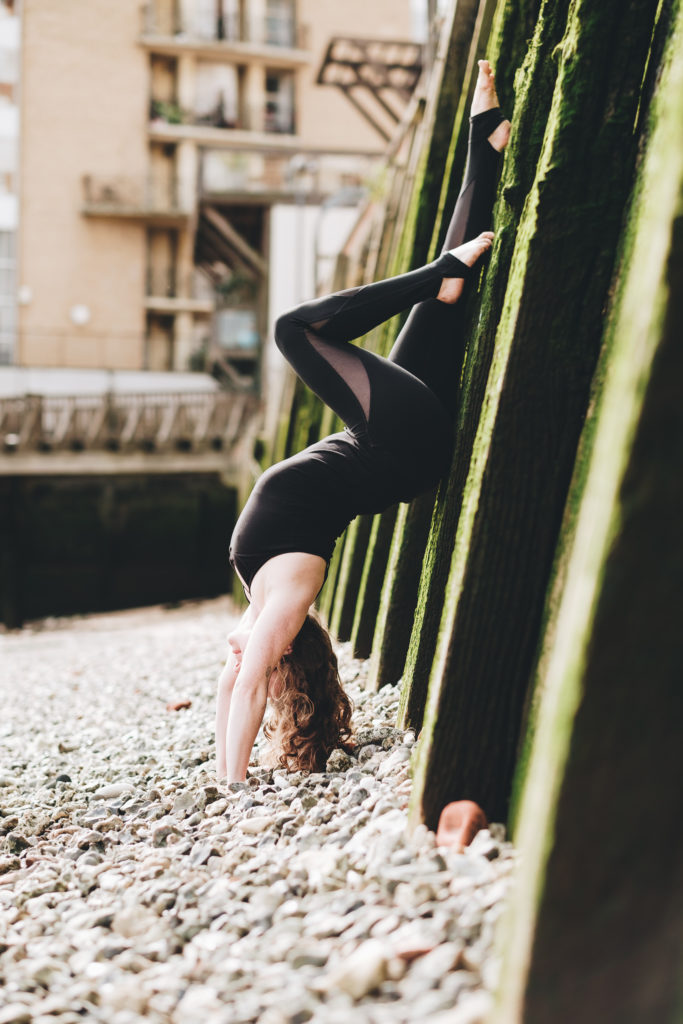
(534, 73)
(538, 385)
(369, 590)
(606, 738)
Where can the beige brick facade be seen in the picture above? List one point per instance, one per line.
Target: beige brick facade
(83, 88)
(112, 281)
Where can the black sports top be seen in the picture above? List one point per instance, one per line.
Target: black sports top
(305, 502)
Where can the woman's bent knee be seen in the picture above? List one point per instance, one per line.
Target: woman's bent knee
(289, 331)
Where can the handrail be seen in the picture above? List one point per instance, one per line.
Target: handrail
(187, 421)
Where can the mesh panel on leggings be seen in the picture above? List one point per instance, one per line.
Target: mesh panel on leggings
(348, 365)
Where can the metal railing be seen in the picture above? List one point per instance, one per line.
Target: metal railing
(270, 116)
(189, 422)
(207, 22)
(165, 282)
(223, 171)
(124, 194)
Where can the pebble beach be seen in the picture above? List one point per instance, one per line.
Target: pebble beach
(134, 886)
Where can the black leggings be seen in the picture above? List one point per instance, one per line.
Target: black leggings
(402, 400)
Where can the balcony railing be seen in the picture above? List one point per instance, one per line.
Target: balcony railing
(167, 283)
(127, 195)
(120, 422)
(206, 23)
(266, 117)
(225, 171)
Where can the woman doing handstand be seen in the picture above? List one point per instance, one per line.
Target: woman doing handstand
(397, 443)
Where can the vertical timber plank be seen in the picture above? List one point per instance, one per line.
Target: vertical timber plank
(537, 396)
(595, 929)
(535, 77)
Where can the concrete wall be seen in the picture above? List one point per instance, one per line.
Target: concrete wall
(82, 544)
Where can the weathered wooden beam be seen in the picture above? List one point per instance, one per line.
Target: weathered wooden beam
(536, 69)
(537, 396)
(418, 205)
(595, 932)
(353, 557)
(370, 586)
(469, 41)
(236, 240)
(397, 606)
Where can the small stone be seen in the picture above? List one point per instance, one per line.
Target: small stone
(162, 832)
(16, 842)
(178, 705)
(361, 972)
(184, 800)
(15, 1013)
(216, 808)
(111, 824)
(115, 790)
(133, 921)
(439, 961)
(398, 757)
(252, 826)
(201, 853)
(473, 1008)
(485, 846)
(339, 761)
(307, 958)
(459, 822)
(89, 838)
(368, 752)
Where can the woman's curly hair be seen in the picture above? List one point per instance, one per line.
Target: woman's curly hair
(312, 715)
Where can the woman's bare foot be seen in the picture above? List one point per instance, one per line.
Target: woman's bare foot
(485, 97)
(468, 253)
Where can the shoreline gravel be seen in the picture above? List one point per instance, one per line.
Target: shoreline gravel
(134, 886)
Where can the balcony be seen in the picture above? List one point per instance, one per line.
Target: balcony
(166, 291)
(43, 434)
(270, 117)
(151, 198)
(283, 176)
(207, 29)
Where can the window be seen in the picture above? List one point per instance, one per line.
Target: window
(279, 101)
(8, 308)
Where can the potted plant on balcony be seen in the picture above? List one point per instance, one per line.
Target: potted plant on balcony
(166, 112)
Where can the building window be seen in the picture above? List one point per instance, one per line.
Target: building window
(8, 308)
(280, 23)
(279, 101)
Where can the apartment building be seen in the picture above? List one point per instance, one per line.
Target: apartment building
(9, 131)
(183, 175)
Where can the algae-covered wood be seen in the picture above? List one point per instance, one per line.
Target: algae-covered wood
(546, 347)
(535, 76)
(595, 932)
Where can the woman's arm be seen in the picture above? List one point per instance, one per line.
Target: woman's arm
(226, 683)
(275, 628)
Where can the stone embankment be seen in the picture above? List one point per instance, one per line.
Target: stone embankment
(135, 887)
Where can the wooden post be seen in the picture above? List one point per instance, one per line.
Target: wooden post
(537, 71)
(538, 389)
(595, 932)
